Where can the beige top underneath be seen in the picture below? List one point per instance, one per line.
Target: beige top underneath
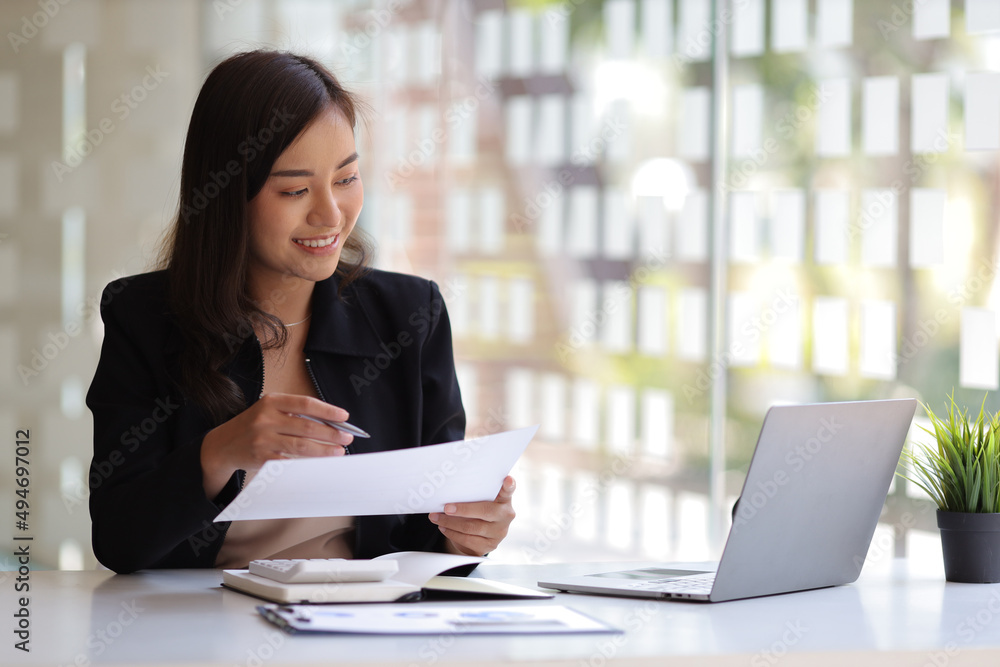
(315, 537)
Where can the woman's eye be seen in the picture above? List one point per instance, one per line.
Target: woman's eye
(296, 193)
(348, 180)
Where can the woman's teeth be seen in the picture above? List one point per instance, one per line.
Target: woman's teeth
(317, 244)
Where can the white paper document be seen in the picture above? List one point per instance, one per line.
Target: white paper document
(409, 619)
(407, 481)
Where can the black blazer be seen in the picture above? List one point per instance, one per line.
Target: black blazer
(383, 352)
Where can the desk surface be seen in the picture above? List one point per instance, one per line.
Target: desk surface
(892, 615)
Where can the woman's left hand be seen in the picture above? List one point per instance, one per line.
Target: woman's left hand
(475, 529)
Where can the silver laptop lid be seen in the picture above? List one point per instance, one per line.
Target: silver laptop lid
(812, 496)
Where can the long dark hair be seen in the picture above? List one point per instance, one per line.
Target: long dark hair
(250, 108)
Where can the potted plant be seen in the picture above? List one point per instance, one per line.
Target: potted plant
(961, 474)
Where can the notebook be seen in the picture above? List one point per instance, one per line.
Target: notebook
(415, 580)
(811, 500)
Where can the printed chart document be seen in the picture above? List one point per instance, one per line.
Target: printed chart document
(407, 619)
(406, 481)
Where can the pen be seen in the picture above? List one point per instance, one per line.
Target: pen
(340, 426)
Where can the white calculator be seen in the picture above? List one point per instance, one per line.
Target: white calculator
(323, 570)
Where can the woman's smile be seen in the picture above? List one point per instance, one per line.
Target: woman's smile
(318, 246)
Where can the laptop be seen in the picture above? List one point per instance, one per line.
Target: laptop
(811, 500)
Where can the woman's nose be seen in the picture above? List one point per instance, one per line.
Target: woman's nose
(325, 211)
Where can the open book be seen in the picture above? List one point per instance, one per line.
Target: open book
(416, 576)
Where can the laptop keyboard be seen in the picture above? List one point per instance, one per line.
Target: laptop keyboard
(697, 584)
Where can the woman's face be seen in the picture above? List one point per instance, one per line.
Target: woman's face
(308, 206)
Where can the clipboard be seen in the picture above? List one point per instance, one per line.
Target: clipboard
(407, 619)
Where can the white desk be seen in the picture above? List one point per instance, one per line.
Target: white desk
(890, 616)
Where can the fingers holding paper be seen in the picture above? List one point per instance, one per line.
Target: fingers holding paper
(270, 429)
(476, 529)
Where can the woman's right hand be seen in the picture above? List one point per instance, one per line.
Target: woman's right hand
(267, 430)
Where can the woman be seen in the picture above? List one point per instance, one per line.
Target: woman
(257, 318)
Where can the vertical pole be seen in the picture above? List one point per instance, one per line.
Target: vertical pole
(721, 15)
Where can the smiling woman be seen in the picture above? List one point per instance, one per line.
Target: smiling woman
(263, 311)
(306, 208)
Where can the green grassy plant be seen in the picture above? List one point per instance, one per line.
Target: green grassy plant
(961, 472)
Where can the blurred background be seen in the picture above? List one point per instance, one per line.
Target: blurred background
(645, 235)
